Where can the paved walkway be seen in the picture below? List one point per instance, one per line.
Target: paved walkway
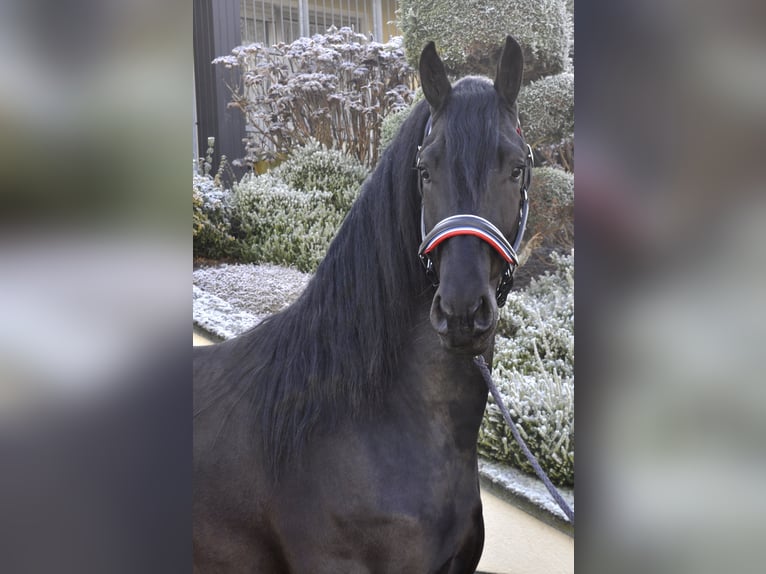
(515, 542)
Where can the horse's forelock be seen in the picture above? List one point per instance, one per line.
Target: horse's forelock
(472, 128)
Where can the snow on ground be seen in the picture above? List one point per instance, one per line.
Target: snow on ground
(230, 299)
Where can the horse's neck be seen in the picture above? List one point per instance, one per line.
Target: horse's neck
(448, 385)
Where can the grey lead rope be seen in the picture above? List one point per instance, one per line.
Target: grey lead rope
(481, 363)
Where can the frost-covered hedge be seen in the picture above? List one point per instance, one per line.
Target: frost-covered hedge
(534, 371)
(287, 216)
(551, 200)
(314, 167)
(211, 219)
(280, 224)
(259, 290)
(468, 33)
(546, 109)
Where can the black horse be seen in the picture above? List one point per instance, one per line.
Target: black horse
(340, 434)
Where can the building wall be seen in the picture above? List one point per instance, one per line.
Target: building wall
(273, 21)
(221, 25)
(216, 33)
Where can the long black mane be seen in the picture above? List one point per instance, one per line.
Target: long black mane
(334, 352)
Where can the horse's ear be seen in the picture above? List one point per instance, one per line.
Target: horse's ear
(433, 77)
(509, 71)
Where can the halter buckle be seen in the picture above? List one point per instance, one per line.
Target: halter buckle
(505, 286)
(430, 269)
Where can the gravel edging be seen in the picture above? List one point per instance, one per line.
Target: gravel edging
(231, 299)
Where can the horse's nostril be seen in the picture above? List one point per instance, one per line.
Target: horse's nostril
(439, 316)
(484, 316)
(480, 305)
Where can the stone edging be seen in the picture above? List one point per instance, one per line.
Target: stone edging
(527, 493)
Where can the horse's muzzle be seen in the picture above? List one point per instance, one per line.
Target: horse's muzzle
(464, 329)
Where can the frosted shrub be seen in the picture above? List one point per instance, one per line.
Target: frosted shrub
(392, 122)
(533, 369)
(551, 201)
(539, 321)
(314, 167)
(546, 108)
(468, 33)
(391, 125)
(335, 88)
(542, 407)
(282, 225)
(211, 219)
(570, 37)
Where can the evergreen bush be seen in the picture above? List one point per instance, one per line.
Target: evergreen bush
(468, 34)
(546, 109)
(211, 220)
(313, 167)
(551, 201)
(282, 225)
(534, 372)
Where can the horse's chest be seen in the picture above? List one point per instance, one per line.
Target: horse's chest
(391, 499)
(405, 526)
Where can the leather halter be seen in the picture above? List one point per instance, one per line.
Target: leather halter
(468, 224)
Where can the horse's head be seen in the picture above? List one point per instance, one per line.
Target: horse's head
(474, 169)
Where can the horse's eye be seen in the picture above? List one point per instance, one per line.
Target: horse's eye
(425, 175)
(516, 173)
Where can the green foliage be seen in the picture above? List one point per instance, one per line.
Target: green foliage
(391, 125)
(282, 225)
(534, 372)
(551, 200)
(287, 216)
(546, 109)
(313, 167)
(468, 33)
(392, 122)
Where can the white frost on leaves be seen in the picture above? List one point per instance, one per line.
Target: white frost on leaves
(336, 87)
(534, 372)
(463, 27)
(547, 109)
